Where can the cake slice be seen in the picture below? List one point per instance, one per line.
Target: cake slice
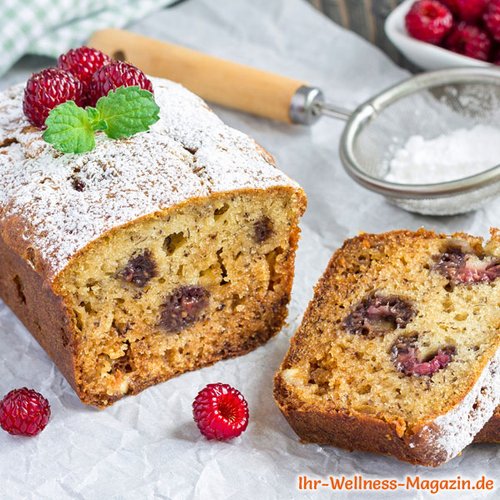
(148, 256)
(490, 433)
(398, 352)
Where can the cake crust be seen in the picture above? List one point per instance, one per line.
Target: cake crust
(427, 442)
(490, 433)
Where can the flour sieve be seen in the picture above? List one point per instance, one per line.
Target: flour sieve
(429, 105)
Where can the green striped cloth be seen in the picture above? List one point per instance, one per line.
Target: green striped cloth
(51, 27)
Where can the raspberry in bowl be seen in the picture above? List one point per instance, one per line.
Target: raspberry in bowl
(429, 21)
(470, 41)
(492, 20)
(473, 44)
(469, 11)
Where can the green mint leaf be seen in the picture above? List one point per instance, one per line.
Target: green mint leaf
(121, 113)
(96, 122)
(93, 115)
(69, 129)
(127, 111)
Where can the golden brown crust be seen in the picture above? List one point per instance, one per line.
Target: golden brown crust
(355, 432)
(351, 429)
(40, 309)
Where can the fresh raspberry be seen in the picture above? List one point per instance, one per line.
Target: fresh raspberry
(428, 21)
(46, 90)
(492, 19)
(24, 412)
(114, 75)
(496, 58)
(220, 412)
(83, 63)
(471, 11)
(469, 41)
(451, 4)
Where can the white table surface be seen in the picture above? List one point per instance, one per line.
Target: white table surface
(147, 446)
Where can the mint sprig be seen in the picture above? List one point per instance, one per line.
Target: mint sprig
(122, 113)
(127, 111)
(69, 129)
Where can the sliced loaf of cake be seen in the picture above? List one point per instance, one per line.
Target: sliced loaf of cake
(399, 350)
(148, 256)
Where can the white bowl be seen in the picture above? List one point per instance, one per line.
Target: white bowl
(425, 55)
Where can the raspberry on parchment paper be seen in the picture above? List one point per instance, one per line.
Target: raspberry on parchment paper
(24, 412)
(220, 412)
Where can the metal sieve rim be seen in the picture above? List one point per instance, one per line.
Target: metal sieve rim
(370, 108)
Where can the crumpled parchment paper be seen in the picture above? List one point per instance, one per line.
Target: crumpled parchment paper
(147, 446)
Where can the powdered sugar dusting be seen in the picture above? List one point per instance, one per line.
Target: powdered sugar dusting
(454, 155)
(67, 201)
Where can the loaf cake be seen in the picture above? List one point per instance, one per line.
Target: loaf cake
(148, 256)
(490, 433)
(399, 350)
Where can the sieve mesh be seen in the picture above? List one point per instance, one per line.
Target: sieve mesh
(430, 110)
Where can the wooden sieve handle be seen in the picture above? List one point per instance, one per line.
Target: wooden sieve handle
(222, 82)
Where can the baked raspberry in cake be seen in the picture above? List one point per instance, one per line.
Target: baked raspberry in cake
(399, 350)
(148, 256)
